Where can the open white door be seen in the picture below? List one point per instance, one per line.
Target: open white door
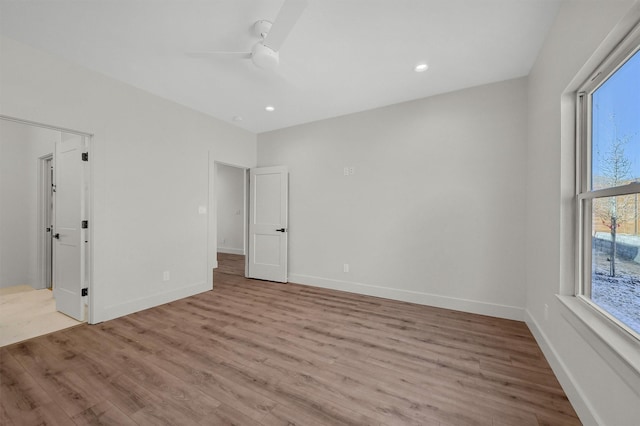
(268, 221)
(68, 233)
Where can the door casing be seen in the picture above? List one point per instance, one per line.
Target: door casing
(45, 220)
(88, 210)
(212, 222)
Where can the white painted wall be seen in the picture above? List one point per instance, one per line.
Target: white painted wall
(230, 208)
(20, 149)
(14, 247)
(434, 213)
(599, 394)
(151, 166)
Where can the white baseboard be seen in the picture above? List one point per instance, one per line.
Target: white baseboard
(140, 304)
(582, 406)
(472, 306)
(229, 250)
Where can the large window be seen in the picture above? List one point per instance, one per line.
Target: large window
(609, 188)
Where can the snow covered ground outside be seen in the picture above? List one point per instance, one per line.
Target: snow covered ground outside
(619, 295)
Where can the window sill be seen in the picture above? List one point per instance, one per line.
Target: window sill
(619, 349)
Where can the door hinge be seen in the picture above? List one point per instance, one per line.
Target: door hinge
(85, 224)
(85, 292)
(85, 156)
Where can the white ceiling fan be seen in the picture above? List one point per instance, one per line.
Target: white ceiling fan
(265, 53)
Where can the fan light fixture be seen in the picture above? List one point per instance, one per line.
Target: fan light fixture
(269, 108)
(421, 67)
(265, 53)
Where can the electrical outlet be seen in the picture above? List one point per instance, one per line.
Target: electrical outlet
(345, 267)
(166, 276)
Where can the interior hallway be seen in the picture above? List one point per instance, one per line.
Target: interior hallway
(232, 264)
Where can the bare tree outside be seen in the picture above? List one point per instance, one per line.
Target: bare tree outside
(614, 122)
(615, 169)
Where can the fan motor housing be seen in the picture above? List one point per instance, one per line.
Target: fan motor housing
(264, 57)
(261, 28)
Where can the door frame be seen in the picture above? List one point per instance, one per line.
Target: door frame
(212, 216)
(244, 202)
(45, 180)
(88, 207)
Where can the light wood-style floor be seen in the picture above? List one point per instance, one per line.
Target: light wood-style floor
(259, 353)
(26, 313)
(231, 264)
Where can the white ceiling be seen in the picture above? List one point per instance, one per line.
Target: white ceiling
(342, 56)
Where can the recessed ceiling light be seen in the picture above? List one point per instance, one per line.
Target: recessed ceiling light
(237, 118)
(421, 67)
(270, 108)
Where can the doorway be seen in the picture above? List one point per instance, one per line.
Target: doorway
(45, 222)
(253, 204)
(231, 216)
(32, 266)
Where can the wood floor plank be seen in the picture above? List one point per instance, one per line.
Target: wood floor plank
(193, 403)
(132, 399)
(55, 376)
(419, 402)
(207, 377)
(22, 397)
(348, 392)
(290, 415)
(48, 414)
(227, 416)
(438, 390)
(104, 413)
(259, 353)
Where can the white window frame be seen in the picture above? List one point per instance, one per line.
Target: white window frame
(584, 196)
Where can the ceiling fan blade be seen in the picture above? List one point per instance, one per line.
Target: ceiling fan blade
(289, 14)
(241, 55)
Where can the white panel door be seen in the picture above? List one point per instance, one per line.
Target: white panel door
(268, 220)
(68, 247)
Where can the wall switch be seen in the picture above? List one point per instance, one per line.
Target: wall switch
(352, 170)
(346, 171)
(166, 276)
(202, 210)
(345, 267)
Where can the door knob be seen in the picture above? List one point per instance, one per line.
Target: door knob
(56, 236)
(281, 230)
